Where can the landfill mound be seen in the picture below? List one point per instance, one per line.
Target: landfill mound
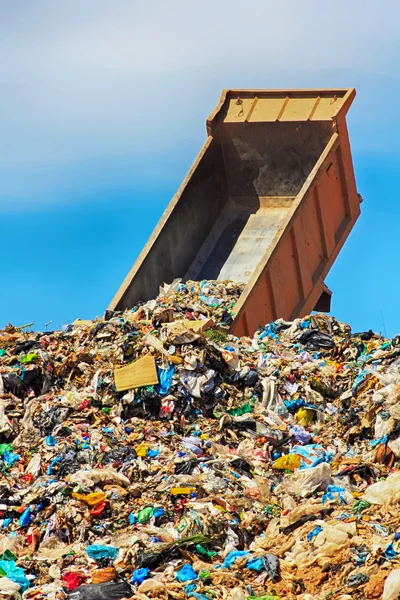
(151, 454)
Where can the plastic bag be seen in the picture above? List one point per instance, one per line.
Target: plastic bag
(305, 416)
(287, 462)
(384, 425)
(271, 563)
(306, 481)
(315, 340)
(357, 579)
(165, 377)
(99, 552)
(145, 514)
(101, 591)
(8, 587)
(391, 589)
(91, 499)
(169, 288)
(311, 455)
(186, 573)
(149, 560)
(95, 476)
(271, 400)
(139, 575)
(339, 494)
(186, 467)
(15, 573)
(337, 534)
(71, 580)
(34, 465)
(384, 492)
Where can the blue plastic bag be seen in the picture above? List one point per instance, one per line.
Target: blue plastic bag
(97, 552)
(56, 460)
(311, 455)
(390, 552)
(198, 596)
(26, 518)
(152, 453)
(10, 458)
(255, 564)
(232, 556)
(187, 573)
(165, 378)
(381, 440)
(334, 492)
(139, 575)
(314, 533)
(190, 588)
(15, 573)
(269, 331)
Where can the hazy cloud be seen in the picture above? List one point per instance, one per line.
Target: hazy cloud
(93, 80)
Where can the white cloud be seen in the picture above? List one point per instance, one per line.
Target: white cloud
(91, 79)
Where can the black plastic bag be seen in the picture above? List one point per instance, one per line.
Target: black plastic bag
(242, 466)
(122, 454)
(306, 519)
(364, 335)
(316, 340)
(186, 467)
(102, 591)
(250, 379)
(17, 386)
(356, 579)
(226, 318)
(25, 346)
(243, 423)
(149, 560)
(271, 563)
(109, 314)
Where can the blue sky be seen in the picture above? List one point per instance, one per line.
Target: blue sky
(102, 111)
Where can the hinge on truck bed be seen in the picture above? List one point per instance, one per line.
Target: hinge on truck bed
(324, 301)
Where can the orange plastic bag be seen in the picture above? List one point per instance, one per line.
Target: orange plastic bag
(90, 499)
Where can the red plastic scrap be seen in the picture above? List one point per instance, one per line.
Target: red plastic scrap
(72, 580)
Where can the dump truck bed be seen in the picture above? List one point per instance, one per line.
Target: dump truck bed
(240, 235)
(268, 202)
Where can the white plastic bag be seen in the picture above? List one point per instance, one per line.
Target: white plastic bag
(34, 465)
(8, 588)
(93, 477)
(306, 481)
(391, 589)
(384, 492)
(383, 426)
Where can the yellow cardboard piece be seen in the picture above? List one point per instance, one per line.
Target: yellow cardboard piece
(199, 325)
(182, 491)
(82, 322)
(137, 374)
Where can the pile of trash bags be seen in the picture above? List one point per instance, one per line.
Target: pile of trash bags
(152, 454)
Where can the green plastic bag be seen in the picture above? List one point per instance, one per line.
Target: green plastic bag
(145, 514)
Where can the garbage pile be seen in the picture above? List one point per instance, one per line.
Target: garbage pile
(151, 454)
